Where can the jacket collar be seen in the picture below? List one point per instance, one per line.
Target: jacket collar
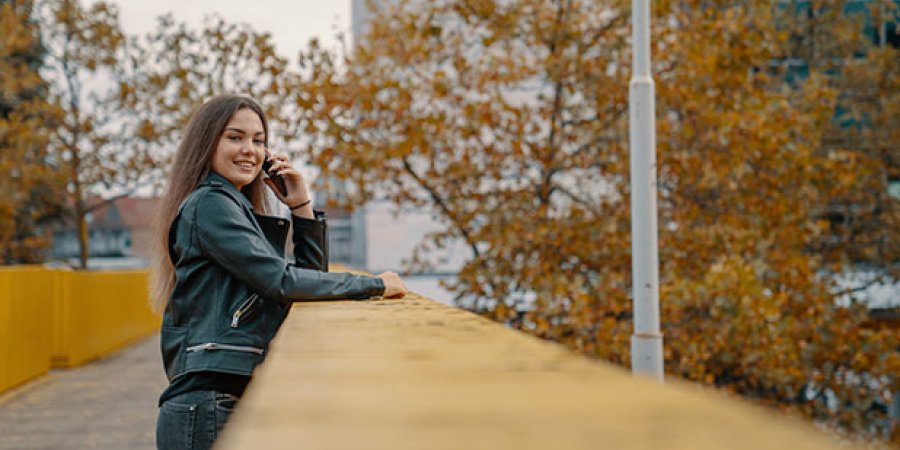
(215, 180)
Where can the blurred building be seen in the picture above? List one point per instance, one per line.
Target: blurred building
(347, 243)
(120, 229)
(377, 237)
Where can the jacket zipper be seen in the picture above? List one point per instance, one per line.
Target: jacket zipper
(242, 310)
(216, 346)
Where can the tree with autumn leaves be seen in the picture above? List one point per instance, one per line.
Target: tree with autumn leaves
(91, 143)
(118, 103)
(119, 134)
(32, 190)
(509, 121)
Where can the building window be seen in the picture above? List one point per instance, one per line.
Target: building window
(894, 188)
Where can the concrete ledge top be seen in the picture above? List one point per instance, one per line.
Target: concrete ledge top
(415, 374)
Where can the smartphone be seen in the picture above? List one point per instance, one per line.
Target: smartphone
(278, 179)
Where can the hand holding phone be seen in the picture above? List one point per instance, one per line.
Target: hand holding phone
(277, 179)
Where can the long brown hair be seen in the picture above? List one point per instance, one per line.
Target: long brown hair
(190, 167)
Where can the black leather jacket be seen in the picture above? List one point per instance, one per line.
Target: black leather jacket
(234, 286)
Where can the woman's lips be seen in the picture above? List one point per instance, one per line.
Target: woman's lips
(245, 165)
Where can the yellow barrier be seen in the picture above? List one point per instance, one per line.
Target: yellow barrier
(96, 313)
(63, 318)
(26, 295)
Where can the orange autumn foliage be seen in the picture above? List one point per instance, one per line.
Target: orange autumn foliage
(31, 189)
(509, 121)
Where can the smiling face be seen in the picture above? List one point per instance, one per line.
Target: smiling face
(241, 148)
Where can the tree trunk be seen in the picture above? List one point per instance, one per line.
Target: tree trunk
(80, 211)
(83, 241)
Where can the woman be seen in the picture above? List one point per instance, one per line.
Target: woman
(220, 274)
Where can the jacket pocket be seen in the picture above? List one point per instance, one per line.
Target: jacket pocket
(213, 346)
(176, 425)
(172, 343)
(245, 310)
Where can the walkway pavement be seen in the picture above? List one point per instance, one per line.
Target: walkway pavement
(108, 404)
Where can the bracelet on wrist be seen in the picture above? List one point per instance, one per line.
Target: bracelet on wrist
(299, 205)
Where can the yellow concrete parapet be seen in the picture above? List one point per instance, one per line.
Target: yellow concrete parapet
(415, 374)
(98, 312)
(63, 318)
(26, 294)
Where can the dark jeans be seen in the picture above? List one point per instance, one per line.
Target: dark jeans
(193, 420)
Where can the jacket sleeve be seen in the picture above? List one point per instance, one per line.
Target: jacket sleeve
(310, 238)
(227, 236)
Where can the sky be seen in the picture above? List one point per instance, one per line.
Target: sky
(291, 22)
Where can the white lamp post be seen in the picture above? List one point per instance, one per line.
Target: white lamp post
(646, 342)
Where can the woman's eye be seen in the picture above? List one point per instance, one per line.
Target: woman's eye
(259, 142)
(234, 138)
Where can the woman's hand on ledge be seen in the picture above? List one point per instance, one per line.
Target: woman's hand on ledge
(393, 285)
